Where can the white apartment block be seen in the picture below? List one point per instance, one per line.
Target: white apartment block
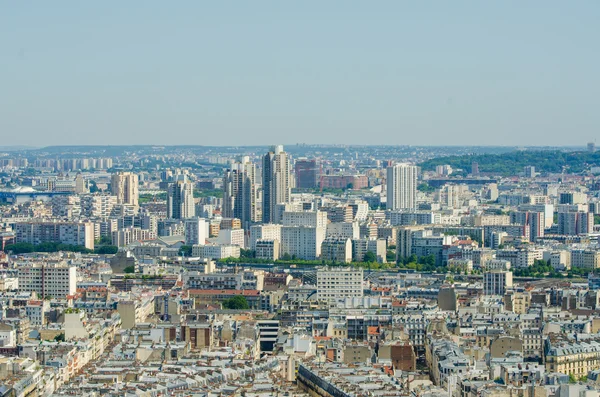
(305, 218)
(268, 231)
(124, 237)
(407, 218)
(339, 283)
(520, 257)
(303, 242)
(337, 249)
(195, 231)
(216, 251)
(377, 246)
(349, 230)
(232, 237)
(98, 205)
(73, 233)
(267, 249)
(585, 258)
(48, 279)
(401, 187)
(497, 282)
(124, 186)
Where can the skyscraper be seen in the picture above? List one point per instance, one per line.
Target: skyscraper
(276, 181)
(180, 198)
(239, 192)
(401, 187)
(124, 185)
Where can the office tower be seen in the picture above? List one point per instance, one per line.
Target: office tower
(401, 187)
(180, 198)
(474, 168)
(195, 231)
(239, 192)
(124, 185)
(306, 173)
(276, 181)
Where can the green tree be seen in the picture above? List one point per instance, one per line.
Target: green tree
(129, 269)
(20, 248)
(247, 253)
(238, 302)
(185, 250)
(59, 338)
(370, 257)
(572, 378)
(106, 249)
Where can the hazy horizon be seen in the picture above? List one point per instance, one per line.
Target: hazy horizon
(251, 74)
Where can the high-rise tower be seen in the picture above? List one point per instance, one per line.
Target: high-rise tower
(276, 181)
(124, 185)
(401, 187)
(180, 198)
(239, 192)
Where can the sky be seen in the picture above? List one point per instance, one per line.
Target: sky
(333, 72)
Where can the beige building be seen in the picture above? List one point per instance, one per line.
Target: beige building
(125, 185)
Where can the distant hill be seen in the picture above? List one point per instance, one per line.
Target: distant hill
(512, 163)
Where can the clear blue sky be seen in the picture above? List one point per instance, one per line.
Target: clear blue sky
(261, 72)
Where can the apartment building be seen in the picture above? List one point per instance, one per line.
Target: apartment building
(339, 283)
(73, 233)
(48, 279)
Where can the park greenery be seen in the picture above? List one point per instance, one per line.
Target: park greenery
(238, 302)
(26, 248)
(512, 163)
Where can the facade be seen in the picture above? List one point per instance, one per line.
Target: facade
(585, 258)
(195, 231)
(339, 283)
(276, 182)
(377, 246)
(306, 173)
(72, 233)
(302, 242)
(534, 221)
(269, 231)
(48, 279)
(180, 199)
(574, 223)
(124, 185)
(267, 249)
(401, 187)
(216, 251)
(232, 237)
(407, 218)
(497, 282)
(305, 218)
(240, 192)
(337, 249)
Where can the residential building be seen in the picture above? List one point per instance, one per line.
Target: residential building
(276, 185)
(339, 283)
(401, 187)
(180, 198)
